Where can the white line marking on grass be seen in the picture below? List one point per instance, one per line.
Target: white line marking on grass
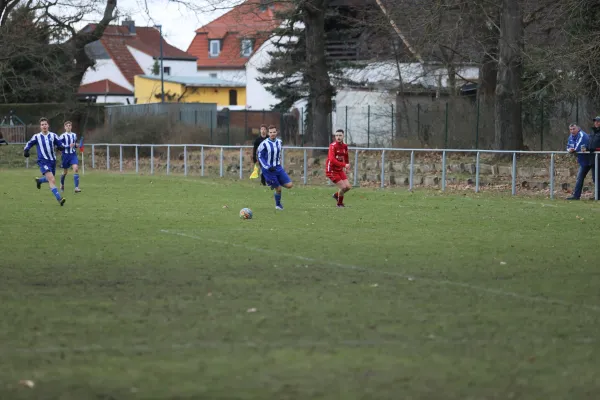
(390, 273)
(210, 344)
(407, 342)
(541, 204)
(560, 206)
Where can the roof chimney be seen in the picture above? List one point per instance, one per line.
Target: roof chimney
(130, 24)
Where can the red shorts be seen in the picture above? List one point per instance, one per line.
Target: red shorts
(337, 176)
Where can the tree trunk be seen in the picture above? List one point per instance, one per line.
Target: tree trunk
(508, 126)
(319, 84)
(80, 39)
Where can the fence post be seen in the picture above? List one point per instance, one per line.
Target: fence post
(412, 169)
(542, 126)
(305, 168)
(168, 158)
(514, 174)
(202, 161)
(552, 176)
(107, 157)
(392, 106)
(418, 119)
(93, 157)
(596, 178)
(137, 166)
(477, 174)
(185, 160)
(446, 129)
(151, 159)
(120, 158)
(444, 170)
(477, 124)
(282, 157)
(346, 123)
(369, 125)
(356, 167)
(221, 164)
(302, 127)
(241, 163)
(382, 169)
(211, 127)
(228, 126)
(27, 162)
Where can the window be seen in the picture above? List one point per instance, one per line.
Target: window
(213, 75)
(166, 70)
(233, 97)
(264, 4)
(246, 47)
(214, 48)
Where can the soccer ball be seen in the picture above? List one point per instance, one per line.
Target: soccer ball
(246, 213)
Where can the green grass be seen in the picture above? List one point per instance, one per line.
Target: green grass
(400, 296)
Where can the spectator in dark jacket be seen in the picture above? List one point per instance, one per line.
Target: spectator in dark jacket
(594, 146)
(578, 142)
(257, 142)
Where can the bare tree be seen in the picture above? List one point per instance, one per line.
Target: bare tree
(319, 84)
(45, 59)
(509, 126)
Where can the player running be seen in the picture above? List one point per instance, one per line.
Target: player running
(269, 156)
(45, 141)
(336, 166)
(69, 157)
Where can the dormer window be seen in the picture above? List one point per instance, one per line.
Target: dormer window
(266, 3)
(246, 47)
(214, 48)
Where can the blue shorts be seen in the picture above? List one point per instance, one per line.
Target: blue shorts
(47, 166)
(68, 160)
(277, 178)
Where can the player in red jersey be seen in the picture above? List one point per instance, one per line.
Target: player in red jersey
(337, 165)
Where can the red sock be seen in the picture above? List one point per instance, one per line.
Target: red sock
(340, 199)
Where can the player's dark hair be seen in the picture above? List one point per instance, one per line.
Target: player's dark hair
(340, 130)
(272, 127)
(43, 119)
(263, 126)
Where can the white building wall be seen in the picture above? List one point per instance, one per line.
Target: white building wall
(233, 75)
(257, 96)
(144, 60)
(114, 99)
(106, 69)
(365, 116)
(181, 68)
(178, 67)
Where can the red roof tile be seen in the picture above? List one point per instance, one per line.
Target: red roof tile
(116, 38)
(104, 86)
(246, 21)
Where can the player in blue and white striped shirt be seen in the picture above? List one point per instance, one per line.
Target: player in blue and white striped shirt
(69, 157)
(269, 156)
(46, 141)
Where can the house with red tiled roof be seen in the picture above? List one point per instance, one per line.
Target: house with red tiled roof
(227, 47)
(125, 51)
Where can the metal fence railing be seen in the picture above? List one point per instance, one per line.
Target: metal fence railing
(182, 158)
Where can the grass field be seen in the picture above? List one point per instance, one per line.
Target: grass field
(150, 288)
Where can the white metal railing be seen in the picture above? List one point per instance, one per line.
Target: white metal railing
(356, 150)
